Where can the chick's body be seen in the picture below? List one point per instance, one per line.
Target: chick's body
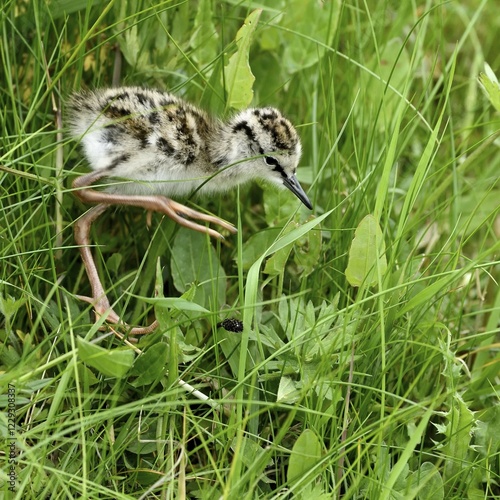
(165, 145)
(156, 146)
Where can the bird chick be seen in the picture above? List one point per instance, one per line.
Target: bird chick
(163, 147)
(173, 148)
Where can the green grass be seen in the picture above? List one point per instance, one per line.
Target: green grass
(388, 390)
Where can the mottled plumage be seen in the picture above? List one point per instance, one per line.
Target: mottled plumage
(172, 148)
(159, 146)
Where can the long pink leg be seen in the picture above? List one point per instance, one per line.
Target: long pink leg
(99, 299)
(161, 204)
(176, 211)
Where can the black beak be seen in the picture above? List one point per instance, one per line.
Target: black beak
(293, 185)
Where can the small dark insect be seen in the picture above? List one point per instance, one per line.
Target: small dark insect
(231, 325)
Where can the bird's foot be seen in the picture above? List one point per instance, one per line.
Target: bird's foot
(102, 308)
(182, 215)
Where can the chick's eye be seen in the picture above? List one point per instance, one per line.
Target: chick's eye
(273, 162)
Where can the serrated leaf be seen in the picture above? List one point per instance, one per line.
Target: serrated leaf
(237, 73)
(9, 305)
(488, 433)
(110, 362)
(306, 454)
(367, 253)
(459, 433)
(131, 45)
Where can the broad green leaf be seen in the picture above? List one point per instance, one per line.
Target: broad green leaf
(367, 253)
(276, 263)
(237, 73)
(113, 263)
(317, 22)
(428, 481)
(230, 343)
(178, 303)
(307, 252)
(249, 450)
(287, 391)
(151, 365)
(9, 355)
(257, 244)
(87, 376)
(110, 362)
(59, 8)
(194, 260)
(306, 454)
(490, 85)
(281, 205)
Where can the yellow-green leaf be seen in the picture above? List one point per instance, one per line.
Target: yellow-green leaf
(238, 75)
(491, 87)
(287, 391)
(367, 253)
(306, 454)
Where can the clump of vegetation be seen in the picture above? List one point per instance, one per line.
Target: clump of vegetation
(350, 353)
